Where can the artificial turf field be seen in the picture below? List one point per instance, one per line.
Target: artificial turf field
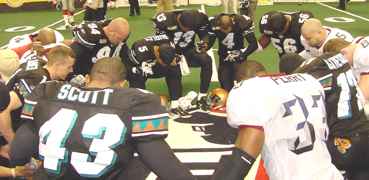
(141, 27)
(182, 137)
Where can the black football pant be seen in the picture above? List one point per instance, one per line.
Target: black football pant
(351, 154)
(226, 73)
(134, 7)
(203, 60)
(173, 78)
(95, 15)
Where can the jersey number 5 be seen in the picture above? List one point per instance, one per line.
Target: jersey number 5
(105, 130)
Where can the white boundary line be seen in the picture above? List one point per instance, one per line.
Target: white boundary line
(50, 25)
(345, 12)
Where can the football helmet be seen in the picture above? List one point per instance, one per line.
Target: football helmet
(218, 98)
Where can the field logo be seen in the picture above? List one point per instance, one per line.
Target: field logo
(14, 3)
(19, 29)
(339, 19)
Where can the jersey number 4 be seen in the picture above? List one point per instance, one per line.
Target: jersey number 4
(105, 130)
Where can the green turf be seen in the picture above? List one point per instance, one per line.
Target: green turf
(141, 26)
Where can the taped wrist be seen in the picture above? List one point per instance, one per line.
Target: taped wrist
(235, 166)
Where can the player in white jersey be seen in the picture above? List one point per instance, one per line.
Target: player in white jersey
(21, 44)
(314, 36)
(284, 119)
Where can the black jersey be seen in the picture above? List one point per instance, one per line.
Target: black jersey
(242, 26)
(143, 50)
(23, 81)
(290, 41)
(166, 23)
(4, 96)
(91, 133)
(344, 105)
(91, 44)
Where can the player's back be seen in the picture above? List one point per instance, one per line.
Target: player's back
(290, 109)
(90, 133)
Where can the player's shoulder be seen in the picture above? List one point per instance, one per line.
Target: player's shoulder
(90, 34)
(265, 22)
(166, 20)
(243, 22)
(134, 96)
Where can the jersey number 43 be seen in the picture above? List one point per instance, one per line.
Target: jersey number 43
(105, 130)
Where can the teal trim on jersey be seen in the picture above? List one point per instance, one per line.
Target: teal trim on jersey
(99, 135)
(62, 145)
(157, 124)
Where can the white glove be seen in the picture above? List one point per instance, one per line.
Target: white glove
(188, 101)
(78, 80)
(233, 56)
(146, 68)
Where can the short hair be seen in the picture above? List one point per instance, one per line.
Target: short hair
(9, 63)
(46, 36)
(277, 22)
(186, 19)
(248, 69)
(289, 62)
(167, 53)
(109, 69)
(225, 21)
(335, 45)
(59, 53)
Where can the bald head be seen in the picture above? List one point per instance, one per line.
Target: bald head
(46, 36)
(311, 25)
(117, 30)
(313, 32)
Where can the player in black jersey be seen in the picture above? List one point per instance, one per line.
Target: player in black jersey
(91, 132)
(181, 26)
(59, 65)
(94, 40)
(283, 30)
(155, 57)
(348, 125)
(231, 30)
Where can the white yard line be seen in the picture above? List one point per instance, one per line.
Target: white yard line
(345, 12)
(50, 25)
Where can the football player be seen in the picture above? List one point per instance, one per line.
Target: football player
(59, 65)
(286, 123)
(21, 44)
(248, 8)
(347, 122)
(357, 55)
(94, 40)
(283, 30)
(314, 36)
(231, 30)
(92, 131)
(181, 26)
(155, 57)
(95, 10)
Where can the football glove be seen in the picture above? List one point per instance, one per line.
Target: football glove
(78, 80)
(202, 46)
(233, 56)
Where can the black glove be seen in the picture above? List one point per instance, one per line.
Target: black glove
(204, 103)
(235, 56)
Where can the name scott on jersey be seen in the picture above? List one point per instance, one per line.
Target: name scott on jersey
(69, 93)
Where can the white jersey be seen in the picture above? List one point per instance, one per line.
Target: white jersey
(21, 44)
(290, 110)
(312, 52)
(361, 57)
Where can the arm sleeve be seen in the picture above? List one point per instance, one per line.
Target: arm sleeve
(211, 33)
(253, 45)
(149, 118)
(24, 145)
(31, 101)
(4, 97)
(158, 156)
(203, 28)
